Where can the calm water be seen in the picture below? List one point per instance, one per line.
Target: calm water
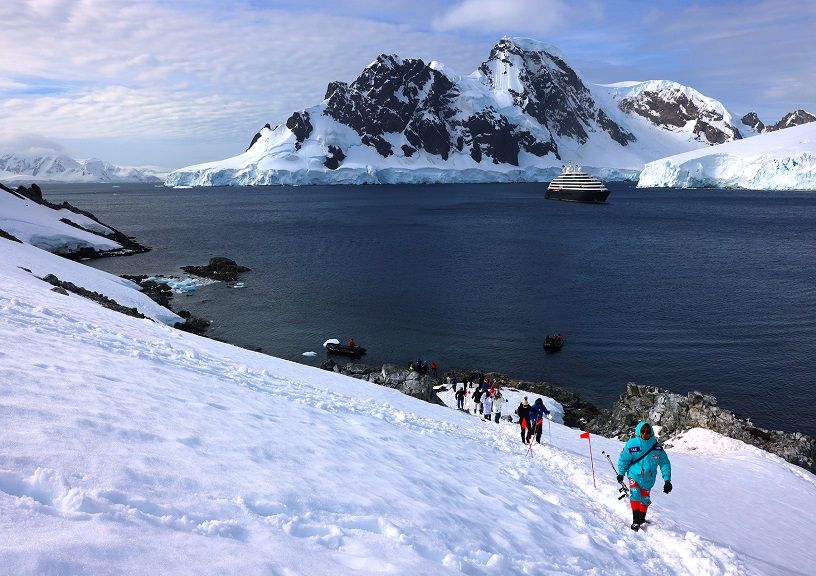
(699, 289)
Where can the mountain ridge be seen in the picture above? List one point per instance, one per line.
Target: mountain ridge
(518, 117)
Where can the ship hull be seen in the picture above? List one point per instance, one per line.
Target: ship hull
(573, 195)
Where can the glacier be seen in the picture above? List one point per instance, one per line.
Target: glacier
(781, 160)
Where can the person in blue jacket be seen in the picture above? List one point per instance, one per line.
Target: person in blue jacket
(537, 414)
(640, 459)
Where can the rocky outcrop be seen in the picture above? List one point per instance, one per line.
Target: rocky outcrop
(390, 375)
(63, 287)
(219, 268)
(796, 118)
(672, 107)
(673, 413)
(753, 122)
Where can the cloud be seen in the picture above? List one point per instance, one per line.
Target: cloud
(537, 16)
(30, 145)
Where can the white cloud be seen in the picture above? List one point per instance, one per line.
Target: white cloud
(540, 16)
(30, 144)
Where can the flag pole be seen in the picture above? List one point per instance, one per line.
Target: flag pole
(586, 435)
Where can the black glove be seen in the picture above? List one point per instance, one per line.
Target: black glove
(620, 478)
(667, 487)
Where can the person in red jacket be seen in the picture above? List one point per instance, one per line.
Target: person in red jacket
(523, 412)
(434, 367)
(352, 343)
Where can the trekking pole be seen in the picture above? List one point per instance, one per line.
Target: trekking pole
(549, 429)
(624, 490)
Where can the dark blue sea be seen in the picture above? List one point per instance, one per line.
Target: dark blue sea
(711, 290)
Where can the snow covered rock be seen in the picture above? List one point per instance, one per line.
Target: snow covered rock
(781, 160)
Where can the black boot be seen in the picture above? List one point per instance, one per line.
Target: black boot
(638, 518)
(643, 518)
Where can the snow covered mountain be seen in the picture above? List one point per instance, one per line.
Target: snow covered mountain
(522, 114)
(26, 168)
(129, 447)
(754, 125)
(779, 160)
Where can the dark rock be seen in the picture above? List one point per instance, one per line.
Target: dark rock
(33, 193)
(7, 236)
(335, 158)
(193, 325)
(219, 268)
(796, 118)
(301, 126)
(676, 110)
(752, 120)
(257, 137)
(159, 292)
(95, 296)
(60, 290)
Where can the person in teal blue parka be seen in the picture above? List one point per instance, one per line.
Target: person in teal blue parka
(641, 457)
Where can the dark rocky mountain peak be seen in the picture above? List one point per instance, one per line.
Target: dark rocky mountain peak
(795, 118)
(674, 106)
(752, 121)
(544, 86)
(407, 99)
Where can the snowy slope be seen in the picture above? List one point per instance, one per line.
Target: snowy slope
(42, 226)
(781, 160)
(129, 447)
(25, 168)
(521, 115)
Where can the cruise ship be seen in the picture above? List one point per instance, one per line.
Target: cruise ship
(575, 185)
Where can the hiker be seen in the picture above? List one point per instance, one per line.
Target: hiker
(487, 406)
(523, 412)
(641, 457)
(352, 343)
(498, 402)
(477, 400)
(537, 414)
(434, 367)
(460, 398)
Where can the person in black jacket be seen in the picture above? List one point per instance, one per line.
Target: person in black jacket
(523, 412)
(537, 414)
(477, 401)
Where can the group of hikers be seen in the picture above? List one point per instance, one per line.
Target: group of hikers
(487, 400)
(421, 367)
(640, 458)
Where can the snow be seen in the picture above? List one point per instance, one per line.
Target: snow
(781, 160)
(24, 167)
(41, 226)
(129, 447)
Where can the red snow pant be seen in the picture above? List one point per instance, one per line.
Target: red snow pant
(638, 497)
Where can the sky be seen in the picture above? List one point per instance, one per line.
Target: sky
(170, 83)
(131, 446)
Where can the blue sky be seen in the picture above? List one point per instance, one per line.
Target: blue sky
(173, 83)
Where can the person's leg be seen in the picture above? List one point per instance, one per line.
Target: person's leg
(639, 500)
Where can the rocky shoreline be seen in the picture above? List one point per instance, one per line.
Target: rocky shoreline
(219, 268)
(671, 413)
